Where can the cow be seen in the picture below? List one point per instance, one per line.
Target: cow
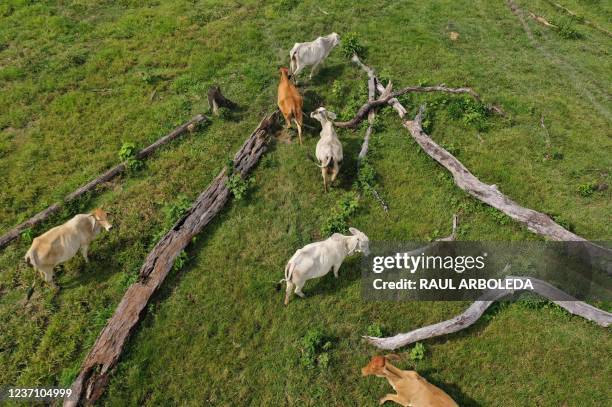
(313, 53)
(317, 259)
(290, 102)
(61, 243)
(329, 148)
(411, 388)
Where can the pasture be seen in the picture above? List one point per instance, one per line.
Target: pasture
(80, 78)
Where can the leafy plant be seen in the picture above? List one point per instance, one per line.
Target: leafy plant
(180, 261)
(374, 330)
(337, 221)
(418, 352)
(174, 211)
(587, 189)
(127, 154)
(315, 349)
(27, 236)
(238, 187)
(567, 28)
(350, 45)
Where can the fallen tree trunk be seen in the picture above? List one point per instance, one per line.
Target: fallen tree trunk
(579, 18)
(105, 353)
(385, 99)
(475, 311)
(40, 217)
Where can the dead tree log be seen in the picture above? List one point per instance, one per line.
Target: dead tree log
(579, 18)
(40, 217)
(475, 311)
(105, 353)
(217, 100)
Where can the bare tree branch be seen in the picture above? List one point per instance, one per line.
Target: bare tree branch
(475, 311)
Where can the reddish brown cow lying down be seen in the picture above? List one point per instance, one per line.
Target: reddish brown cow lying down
(412, 389)
(62, 242)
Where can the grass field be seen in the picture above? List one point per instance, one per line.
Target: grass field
(77, 79)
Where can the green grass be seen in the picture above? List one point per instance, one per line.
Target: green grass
(78, 79)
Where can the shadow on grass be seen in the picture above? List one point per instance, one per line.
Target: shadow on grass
(451, 389)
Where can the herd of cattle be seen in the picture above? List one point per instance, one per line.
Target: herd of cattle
(314, 260)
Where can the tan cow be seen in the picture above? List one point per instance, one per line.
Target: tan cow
(62, 242)
(290, 101)
(412, 389)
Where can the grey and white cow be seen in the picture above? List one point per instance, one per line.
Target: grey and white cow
(317, 259)
(329, 147)
(312, 53)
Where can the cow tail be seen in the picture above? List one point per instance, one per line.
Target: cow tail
(328, 163)
(30, 258)
(288, 274)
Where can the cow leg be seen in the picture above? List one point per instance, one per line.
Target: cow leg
(84, 249)
(336, 267)
(312, 71)
(392, 397)
(335, 171)
(324, 173)
(298, 288)
(288, 292)
(48, 276)
(299, 127)
(297, 71)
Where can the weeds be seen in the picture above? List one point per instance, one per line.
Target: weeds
(587, 189)
(127, 154)
(238, 187)
(374, 330)
(315, 349)
(418, 352)
(337, 222)
(350, 45)
(180, 261)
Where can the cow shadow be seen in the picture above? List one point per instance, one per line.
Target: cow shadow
(326, 74)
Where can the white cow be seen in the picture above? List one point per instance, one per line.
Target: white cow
(329, 148)
(317, 259)
(305, 54)
(61, 243)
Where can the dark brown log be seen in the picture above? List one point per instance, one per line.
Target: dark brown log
(40, 217)
(105, 353)
(217, 100)
(475, 311)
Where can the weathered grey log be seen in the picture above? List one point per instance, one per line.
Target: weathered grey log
(571, 13)
(40, 217)
(475, 311)
(105, 353)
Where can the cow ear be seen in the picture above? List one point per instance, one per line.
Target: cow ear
(353, 231)
(93, 220)
(331, 115)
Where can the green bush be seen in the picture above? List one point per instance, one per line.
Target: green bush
(374, 330)
(238, 187)
(567, 28)
(587, 189)
(418, 352)
(337, 222)
(127, 154)
(180, 261)
(315, 347)
(350, 45)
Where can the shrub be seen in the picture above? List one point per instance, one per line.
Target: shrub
(374, 330)
(587, 189)
(238, 187)
(180, 261)
(337, 222)
(418, 352)
(174, 211)
(315, 347)
(350, 45)
(127, 154)
(567, 30)
(27, 236)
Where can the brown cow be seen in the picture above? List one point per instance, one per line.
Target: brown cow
(290, 101)
(61, 243)
(412, 389)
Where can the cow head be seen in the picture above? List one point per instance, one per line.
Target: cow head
(283, 71)
(323, 115)
(335, 38)
(101, 217)
(377, 365)
(362, 244)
